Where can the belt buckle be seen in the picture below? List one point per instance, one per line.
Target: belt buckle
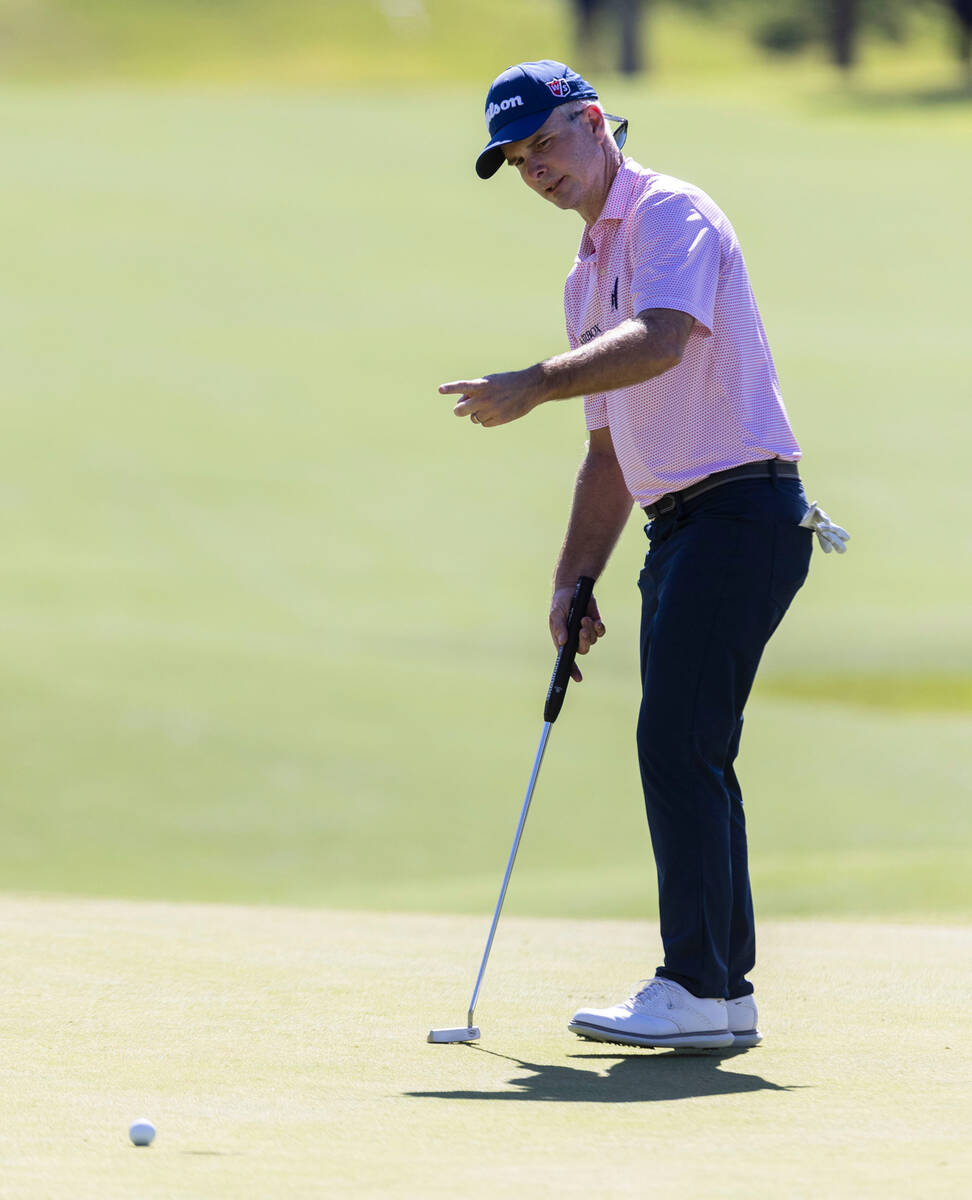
(665, 504)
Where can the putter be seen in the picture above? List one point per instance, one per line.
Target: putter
(551, 710)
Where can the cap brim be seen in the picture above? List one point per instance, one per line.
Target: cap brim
(492, 156)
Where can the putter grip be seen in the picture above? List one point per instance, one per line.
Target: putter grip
(568, 651)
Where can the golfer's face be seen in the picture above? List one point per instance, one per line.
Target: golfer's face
(558, 161)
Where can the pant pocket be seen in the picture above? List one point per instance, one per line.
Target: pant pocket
(792, 547)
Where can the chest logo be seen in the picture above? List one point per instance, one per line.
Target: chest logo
(614, 294)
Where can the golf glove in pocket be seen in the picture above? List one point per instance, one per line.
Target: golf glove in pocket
(829, 535)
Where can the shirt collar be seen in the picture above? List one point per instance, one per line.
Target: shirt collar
(615, 208)
(619, 196)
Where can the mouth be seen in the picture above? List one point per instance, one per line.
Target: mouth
(551, 191)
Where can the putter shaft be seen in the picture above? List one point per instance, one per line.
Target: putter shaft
(509, 868)
(551, 709)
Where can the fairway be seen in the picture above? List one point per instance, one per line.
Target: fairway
(276, 622)
(282, 1052)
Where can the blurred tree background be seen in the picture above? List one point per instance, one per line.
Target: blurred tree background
(337, 42)
(782, 27)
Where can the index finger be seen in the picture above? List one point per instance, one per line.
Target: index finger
(460, 385)
(557, 621)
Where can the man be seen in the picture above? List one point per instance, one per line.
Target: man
(686, 419)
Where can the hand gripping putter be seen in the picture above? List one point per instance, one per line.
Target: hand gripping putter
(551, 710)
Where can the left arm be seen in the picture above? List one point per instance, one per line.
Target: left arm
(645, 346)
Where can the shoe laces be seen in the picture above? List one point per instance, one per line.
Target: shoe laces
(651, 989)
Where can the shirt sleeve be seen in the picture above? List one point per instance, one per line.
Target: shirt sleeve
(675, 259)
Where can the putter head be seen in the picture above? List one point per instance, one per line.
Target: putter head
(469, 1034)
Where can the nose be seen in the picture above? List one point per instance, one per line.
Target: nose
(535, 169)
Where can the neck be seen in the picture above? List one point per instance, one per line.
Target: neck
(592, 207)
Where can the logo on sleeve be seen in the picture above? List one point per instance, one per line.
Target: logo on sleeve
(559, 87)
(614, 294)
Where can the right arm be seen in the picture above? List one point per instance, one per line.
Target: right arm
(602, 504)
(649, 344)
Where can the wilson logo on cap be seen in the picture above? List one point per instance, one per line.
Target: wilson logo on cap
(559, 87)
(495, 109)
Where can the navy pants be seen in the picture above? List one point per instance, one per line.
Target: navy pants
(720, 573)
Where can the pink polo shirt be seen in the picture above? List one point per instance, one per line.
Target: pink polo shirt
(662, 243)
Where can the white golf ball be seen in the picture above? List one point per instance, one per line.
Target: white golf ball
(142, 1132)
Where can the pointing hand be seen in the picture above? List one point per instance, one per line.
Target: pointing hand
(496, 399)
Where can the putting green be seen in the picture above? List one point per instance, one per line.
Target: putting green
(281, 1052)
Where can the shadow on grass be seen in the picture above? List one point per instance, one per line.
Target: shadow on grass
(635, 1078)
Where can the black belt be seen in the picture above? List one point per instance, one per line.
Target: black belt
(755, 470)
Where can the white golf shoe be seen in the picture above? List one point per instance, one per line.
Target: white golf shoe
(660, 1013)
(742, 1022)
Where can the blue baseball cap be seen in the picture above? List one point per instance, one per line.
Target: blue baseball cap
(520, 100)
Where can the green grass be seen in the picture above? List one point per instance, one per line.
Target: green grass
(934, 692)
(282, 1052)
(274, 621)
(337, 43)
